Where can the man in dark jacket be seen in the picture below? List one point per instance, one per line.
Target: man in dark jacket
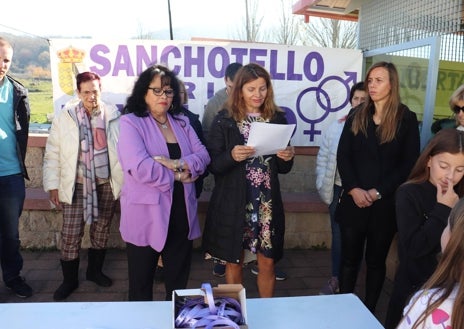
(14, 132)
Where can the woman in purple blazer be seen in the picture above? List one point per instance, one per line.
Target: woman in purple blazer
(161, 157)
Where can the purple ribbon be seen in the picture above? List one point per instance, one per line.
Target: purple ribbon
(222, 311)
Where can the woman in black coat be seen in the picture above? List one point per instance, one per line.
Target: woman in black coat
(246, 210)
(377, 149)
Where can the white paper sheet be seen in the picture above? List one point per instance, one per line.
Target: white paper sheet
(268, 138)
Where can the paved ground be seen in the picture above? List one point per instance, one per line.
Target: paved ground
(307, 271)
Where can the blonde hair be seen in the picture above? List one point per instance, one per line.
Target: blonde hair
(4, 42)
(457, 96)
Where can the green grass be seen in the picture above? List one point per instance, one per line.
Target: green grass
(40, 98)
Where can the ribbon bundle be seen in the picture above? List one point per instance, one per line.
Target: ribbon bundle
(217, 312)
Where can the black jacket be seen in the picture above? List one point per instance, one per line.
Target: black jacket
(22, 114)
(365, 163)
(421, 221)
(225, 218)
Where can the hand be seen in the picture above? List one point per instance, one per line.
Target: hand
(168, 163)
(184, 176)
(286, 154)
(373, 194)
(242, 152)
(54, 199)
(361, 197)
(447, 195)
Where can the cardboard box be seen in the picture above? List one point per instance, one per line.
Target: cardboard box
(236, 291)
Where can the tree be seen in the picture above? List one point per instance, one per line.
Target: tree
(142, 33)
(44, 59)
(288, 31)
(251, 33)
(329, 33)
(38, 72)
(28, 51)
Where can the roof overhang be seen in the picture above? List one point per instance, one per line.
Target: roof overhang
(334, 9)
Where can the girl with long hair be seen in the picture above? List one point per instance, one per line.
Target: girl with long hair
(440, 303)
(423, 205)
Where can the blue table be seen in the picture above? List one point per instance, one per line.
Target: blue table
(317, 312)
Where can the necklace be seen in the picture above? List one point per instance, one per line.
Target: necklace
(162, 124)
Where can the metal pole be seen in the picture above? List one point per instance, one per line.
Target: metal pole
(170, 20)
(247, 21)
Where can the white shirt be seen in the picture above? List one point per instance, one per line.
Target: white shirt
(439, 318)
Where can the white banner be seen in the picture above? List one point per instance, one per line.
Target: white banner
(311, 84)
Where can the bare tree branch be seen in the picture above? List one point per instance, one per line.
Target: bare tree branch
(251, 29)
(329, 33)
(288, 31)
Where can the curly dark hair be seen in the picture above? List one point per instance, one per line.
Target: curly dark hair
(135, 103)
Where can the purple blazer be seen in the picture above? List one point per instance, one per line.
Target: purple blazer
(146, 195)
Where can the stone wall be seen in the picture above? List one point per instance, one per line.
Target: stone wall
(40, 225)
(302, 177)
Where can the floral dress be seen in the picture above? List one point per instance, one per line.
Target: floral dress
(257, 232)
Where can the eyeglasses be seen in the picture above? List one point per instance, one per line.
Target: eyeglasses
(159, 92)
(457, 109)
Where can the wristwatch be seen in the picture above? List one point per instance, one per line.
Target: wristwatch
(379, 196)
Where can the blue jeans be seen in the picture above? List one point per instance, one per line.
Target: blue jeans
(336, 248)
(12, 194)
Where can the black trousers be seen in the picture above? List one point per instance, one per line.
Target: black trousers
(177, 259)
(142, 263)
(366, 232)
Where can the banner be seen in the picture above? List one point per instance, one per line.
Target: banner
(311, 84)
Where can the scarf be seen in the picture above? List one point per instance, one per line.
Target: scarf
(87, 163)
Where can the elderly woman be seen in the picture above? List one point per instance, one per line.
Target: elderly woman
(456, 104)
(82, 175)
(161, 157)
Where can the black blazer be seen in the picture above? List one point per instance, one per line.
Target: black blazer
(365, 163)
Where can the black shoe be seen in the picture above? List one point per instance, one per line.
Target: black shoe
(64, 290)
(19, 286)
(279, 274)
(70, 269)
(219, 270)
(100, 279)
(94, 269)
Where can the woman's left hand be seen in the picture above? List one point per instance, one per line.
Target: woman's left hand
(286, 154)
(168, 163)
